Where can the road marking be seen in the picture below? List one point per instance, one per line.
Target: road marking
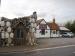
(51, 48)
(11, 52)
(73, 52)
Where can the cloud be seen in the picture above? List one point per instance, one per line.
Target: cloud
(0, 2)
(45, 9)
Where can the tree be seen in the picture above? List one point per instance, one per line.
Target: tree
(73, 27)
(70, 26)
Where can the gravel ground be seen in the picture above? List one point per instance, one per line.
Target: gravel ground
(41, 43)
(51, 42)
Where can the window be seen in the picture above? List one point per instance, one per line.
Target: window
(42, 31)
(42, 26)
(54, 32)
(19, 33)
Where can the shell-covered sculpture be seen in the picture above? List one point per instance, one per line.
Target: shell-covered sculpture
(11, 27)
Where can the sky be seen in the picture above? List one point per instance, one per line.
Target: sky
(0, 2)
(62, 10)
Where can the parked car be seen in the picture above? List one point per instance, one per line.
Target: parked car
(67, 34)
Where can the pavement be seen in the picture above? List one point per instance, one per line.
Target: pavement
(41, 43)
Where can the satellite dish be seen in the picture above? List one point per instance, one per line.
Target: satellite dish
(0, 29)
(11, 35)
(8, 24)
(2, 35)
(6, 35)
(34, 24)
(0, 18)
(33, 20)
(9, 29)
(30, 20)
(2, 23)
(33, 30)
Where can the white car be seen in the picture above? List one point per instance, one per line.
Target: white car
(70, 34)
(67, 34)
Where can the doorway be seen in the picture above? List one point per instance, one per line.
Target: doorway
(20, 34)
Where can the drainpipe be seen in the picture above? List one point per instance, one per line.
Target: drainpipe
(50, 33)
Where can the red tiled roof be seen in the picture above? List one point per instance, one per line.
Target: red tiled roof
(53, 26)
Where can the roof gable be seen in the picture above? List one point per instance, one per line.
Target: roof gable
(53, 26)
(16, 21)
(63, 28)
(41, 21)
(38, 21)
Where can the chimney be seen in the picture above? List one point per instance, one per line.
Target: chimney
(53, 20)
(35, 15)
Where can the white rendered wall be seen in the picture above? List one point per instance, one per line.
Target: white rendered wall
(55, 35)
(47, 31)
(39, 35)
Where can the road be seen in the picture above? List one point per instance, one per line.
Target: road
(55, 51)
